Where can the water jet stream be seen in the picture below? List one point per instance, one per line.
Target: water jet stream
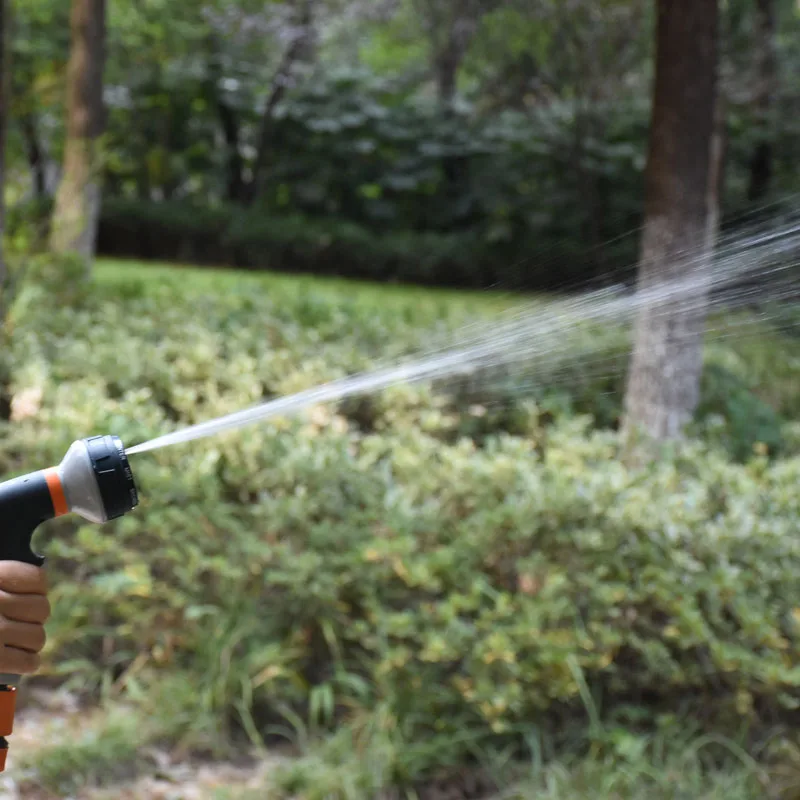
(747, 266)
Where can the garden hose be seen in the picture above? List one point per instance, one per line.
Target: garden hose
(94, 481)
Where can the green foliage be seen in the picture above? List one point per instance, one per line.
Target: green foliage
(106, 751)
(364, 178)
(291, 243)
(373, 183)
(750, 390)
(27, 225)
(524, 182)
(53, 280)
(119, 740)
(745, 422)
(670, 764)
(310, 571)
(544, 196)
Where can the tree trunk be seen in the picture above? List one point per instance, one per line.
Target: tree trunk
(229, 123)
(450, 27)
(716, 172)
(301, 49)
(5, 48)
(664, 380)
(36, 157)
(447, 63)
(447, 60)
(588, 128)
(6, 289)
(5, 103)
(766, 71)
(77, 208)
(234, 163)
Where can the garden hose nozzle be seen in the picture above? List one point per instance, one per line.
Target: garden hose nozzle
(94, 481)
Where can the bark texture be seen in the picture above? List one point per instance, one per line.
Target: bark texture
(77, 206)
(664, 378)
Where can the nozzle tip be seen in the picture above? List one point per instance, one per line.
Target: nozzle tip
(113, 474)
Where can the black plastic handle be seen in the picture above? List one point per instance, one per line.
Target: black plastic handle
(25, 503)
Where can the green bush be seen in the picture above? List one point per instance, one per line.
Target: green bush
(366, 179)
(292, 243)
(368, 182)
(477, 580)
(467, 589)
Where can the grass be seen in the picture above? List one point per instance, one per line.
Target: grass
(640, 781)
(102, 753)
(369, 759)
(115, 748)
(112, 273)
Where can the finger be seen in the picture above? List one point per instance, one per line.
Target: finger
(24, 607)
(20, 578)
(22, 635)
(18, 662)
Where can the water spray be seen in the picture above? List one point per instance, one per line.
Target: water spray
(93, 481)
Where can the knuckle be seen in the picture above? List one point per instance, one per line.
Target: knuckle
(18, 576)
(20, 662)
(7, 603)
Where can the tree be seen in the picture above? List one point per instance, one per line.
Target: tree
(39, 50)
(298, 54)
(77, 206)
(449, 26)
(766, 79)
(664, 379)
(5, 279)
(4, 108)
(585, 61)
(230, 123)
(716, 170)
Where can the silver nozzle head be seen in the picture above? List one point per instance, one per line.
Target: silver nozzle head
(97, 479)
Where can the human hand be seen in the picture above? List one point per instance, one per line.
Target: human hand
(24, 608)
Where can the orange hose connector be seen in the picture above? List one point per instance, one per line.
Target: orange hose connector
(8, 704)
(60, 505)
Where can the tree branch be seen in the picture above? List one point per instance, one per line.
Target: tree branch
(281, 83)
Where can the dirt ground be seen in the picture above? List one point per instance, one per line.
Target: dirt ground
(49, 717)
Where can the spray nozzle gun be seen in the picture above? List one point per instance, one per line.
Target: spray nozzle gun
(94, 481)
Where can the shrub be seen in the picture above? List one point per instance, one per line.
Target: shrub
(297, 243)
(369, 182)
(467, 589)
(472, 574)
